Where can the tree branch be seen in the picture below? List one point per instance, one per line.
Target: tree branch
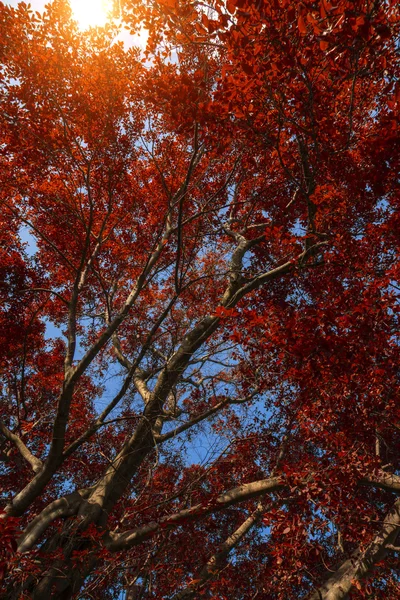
(63, 507)
(385, 481)
(361, 563)
(35, 463)
(122, 541)
(208, 413)
(216, 563)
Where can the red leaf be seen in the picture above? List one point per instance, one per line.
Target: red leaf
(302, 26)
(230, 7)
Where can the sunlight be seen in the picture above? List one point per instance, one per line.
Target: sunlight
(91, 13)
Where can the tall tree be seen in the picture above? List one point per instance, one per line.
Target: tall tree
(200, 302)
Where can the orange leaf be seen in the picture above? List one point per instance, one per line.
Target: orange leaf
(302, 25)
(230, 6)
(205, 20)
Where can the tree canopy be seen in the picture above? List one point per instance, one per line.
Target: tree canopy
(199, 279)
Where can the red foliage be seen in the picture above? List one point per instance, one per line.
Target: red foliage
(199, 285)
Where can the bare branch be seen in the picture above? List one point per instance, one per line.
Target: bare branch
(385, 481)
(35, 463)
(62, 507)
(122, 541)
(217, 562)
(63, 300)
(362, 562)
(202, 417)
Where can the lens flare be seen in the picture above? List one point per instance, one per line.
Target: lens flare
(91, 13)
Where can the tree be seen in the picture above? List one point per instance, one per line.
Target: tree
(201, 248)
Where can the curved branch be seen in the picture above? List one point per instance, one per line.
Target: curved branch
(199, 418)
(385, 481)
(35, 463)
(361, 563)
(122, 541)
(63, 507)
(216, 563)
(48, 291)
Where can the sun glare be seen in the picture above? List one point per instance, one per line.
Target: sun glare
(91, 13)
